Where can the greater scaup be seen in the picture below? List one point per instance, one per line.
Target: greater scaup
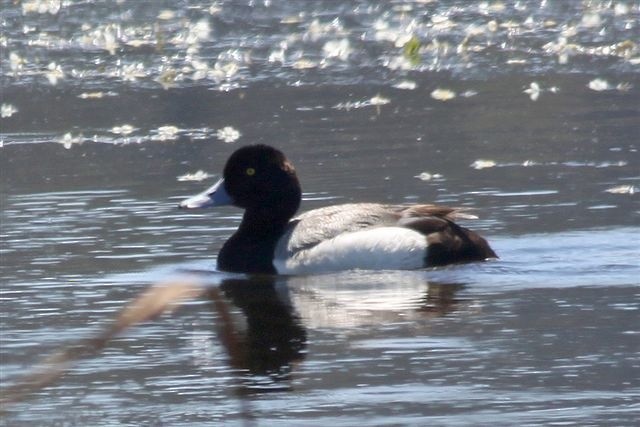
(260, 180)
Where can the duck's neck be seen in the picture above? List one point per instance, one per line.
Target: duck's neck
(263, 224)
(250, 249)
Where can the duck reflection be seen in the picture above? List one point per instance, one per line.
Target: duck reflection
(272, 338)
(370, 298)
(441, 299)
(277, 311)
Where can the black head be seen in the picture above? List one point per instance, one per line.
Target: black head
(259, 177)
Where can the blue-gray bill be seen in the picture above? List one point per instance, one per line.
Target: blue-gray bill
(216, 195)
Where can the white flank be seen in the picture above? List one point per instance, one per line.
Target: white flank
(384, 248)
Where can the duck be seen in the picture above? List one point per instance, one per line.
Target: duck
(272, 239)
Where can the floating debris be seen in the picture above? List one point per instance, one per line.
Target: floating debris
(533, 91)
(132, 72)
(624, 87)
(166, 133)
(278, 55)
(200, 69)
(411, 50)
(426, 176)
(200, 31)
(138, 42)
(292, 19)
(123, 130)
(350, 105)
(376, 101)
(483, 164)
(443, 23)
(491, 7)
(91, 95)
(102, 37)
(406, 85)
(68, 140)
(7, 110)
(591, 20)
(304, 64)
(605, 164)
(96, 95)
(54, 73)
(599, 85)
(167, 78)
(317, 30)
(340, 49)
(224, 70)
(16, 62)
(468, 93)
(51, 7)
(621, 9)
(215, 9)
(625, 48)
(492, 26)
(108, 40)
(622, 189)
(407, 36)
(196, 176)
(618, 164)
(443, 94)
(166, 15)
(228, 134)
(398, 62)
(379, 100)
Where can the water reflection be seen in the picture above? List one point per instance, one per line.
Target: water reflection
(361, 298)
(261, 322)
(269, 339)
(441, 299)
(273, 339)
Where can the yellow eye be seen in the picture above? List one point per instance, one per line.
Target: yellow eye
(250, 171)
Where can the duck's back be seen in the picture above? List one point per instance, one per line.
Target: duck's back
(376, 236)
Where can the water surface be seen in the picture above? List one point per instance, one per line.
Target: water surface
(106, 105)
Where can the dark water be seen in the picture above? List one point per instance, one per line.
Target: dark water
(547, 335)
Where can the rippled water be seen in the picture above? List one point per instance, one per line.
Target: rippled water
(526, 111)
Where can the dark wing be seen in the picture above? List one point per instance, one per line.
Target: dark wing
(448, 242)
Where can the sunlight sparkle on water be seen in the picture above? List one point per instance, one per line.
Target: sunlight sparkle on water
(483, 164)
(599, 85)
(406, 85)
(443, 94)
(622, 189)
(7, 110)
(123, 130)
(68, 140)
(228, 134)
(166, 133)
(199, 175)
